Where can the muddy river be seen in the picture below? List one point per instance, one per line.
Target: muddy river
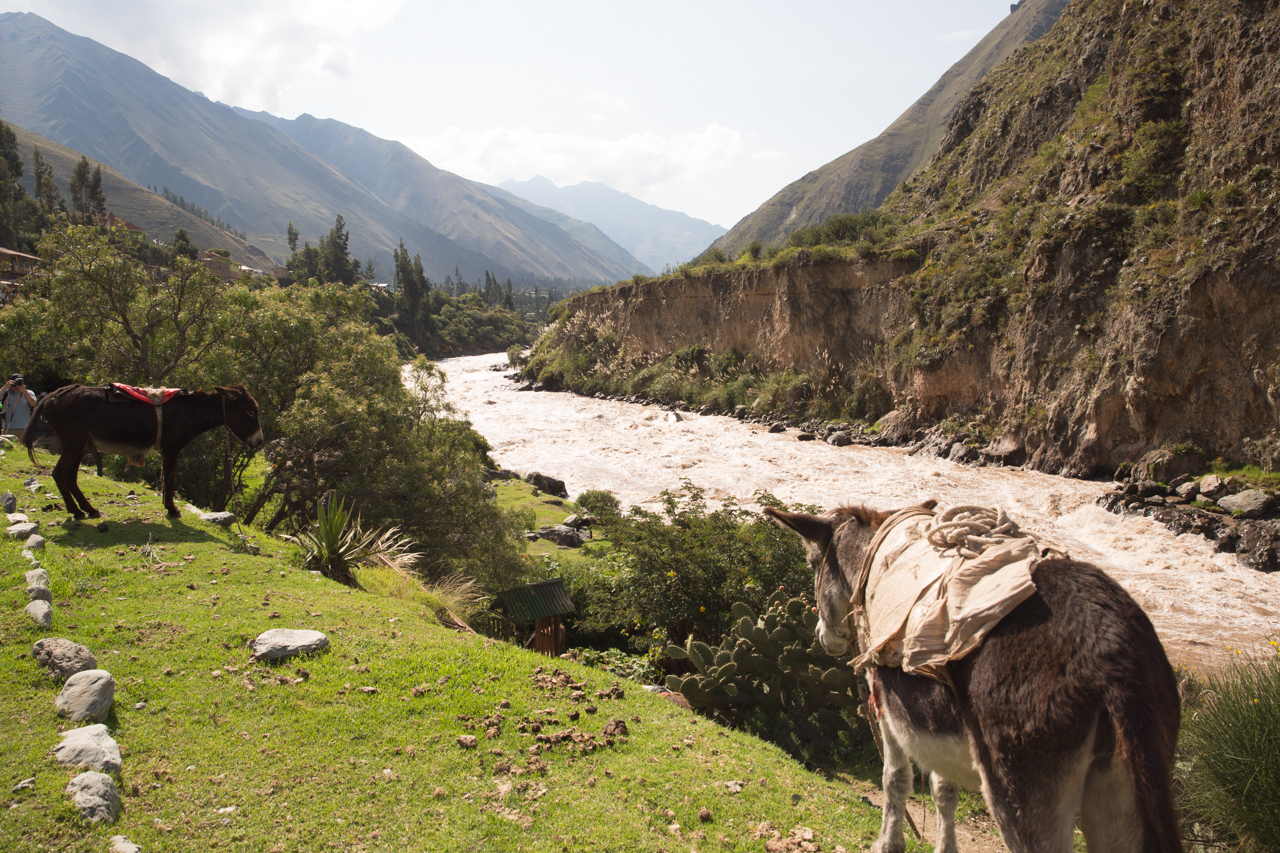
(1201, 602)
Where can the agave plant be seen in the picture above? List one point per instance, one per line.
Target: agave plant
(335, 542)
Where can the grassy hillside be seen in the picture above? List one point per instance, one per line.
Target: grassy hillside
(861, 179)
(149, 211)
(356, 748)
(454, 206)
(151, 130)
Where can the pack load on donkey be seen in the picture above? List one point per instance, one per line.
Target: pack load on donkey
(132, 422)
(997, 663)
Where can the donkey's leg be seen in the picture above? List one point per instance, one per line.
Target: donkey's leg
(1034, 796)
(63, 477)
(946, 795)
(897, 781)
(170, 466)
(1109, 811)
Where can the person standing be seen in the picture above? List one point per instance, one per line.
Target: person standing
(18, 401)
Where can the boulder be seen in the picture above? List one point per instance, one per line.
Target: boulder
(1150, 488)
(62, 657)
(281, 643)
(1251, 503)
(37, 577)
(35, 542)
(776, 428)
(8, 503)
(840, 439)
(1212, 487)
(16, 517)
(674, 417)
(897, 426)
(961, 453)
(739, 412)
(1188, 490)
(550, 485)
(578, 522)
(23, 530)
(805, 436)
(87, 695)
(39, 593)
(120, 844)
(1165, 463)
(561, 535)
(96, 796)
(41, 612)
(89, 747)
(222, 519)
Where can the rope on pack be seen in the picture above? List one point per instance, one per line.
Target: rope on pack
(971, 529)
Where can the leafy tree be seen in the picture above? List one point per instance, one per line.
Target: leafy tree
(337, 255)
(292, 234)
(183, 247)
(17, 212)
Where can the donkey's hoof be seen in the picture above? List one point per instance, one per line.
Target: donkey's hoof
(93, 513)
(173, 513)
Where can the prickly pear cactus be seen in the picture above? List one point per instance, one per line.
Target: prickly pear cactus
(771, 674)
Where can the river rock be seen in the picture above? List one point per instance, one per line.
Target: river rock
(776, 428)
(95, 796)
(37, 577)
(23, 530)
(739, 412)
(87, 695)
(41, 612)
(1188, 490)
(40, 593)
(62, 657)
(840, 439)
(561, 535)
(1251, 503)
(1165, 464)
(805, 436)
(90, 747)
(674, 417)
(1212, 487)
(550, 485)
(8, 502)
(280, 643)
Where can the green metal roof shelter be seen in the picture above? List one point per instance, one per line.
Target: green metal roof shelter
(542, 600)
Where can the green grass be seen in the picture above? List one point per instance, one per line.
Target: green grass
(517, 496)
(319, 764)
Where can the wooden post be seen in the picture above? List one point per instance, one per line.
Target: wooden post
(548, 637)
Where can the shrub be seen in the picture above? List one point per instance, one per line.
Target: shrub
(599, 502)
(771, 677)
(1229, 769)
(516, 356)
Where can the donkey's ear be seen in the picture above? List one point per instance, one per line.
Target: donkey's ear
(929, 504)
(812, 528)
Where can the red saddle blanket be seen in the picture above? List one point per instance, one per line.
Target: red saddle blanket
(151, 396)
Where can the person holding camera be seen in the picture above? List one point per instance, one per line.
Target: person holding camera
(17, 401)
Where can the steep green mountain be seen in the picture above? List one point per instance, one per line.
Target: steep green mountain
(454, 206)
(861, 179)
(584, 232)
(148, 210)
(654, 235)
(1085, 274)
(152, 131)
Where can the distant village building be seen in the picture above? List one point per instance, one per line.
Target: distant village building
(13, 266)
(219, 266)
(110, 220)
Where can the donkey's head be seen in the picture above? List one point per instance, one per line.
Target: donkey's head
(836, 542)
(241, 414)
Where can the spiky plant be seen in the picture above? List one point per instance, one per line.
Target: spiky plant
(335, 542)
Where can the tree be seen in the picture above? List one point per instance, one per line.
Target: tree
(79, 189)
(292, 234)
(16, 210)
(97, 198)
(337, 257)
(47, 193)
(183, 247)
(146, 327)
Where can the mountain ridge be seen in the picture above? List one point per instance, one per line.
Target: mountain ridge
(862, 178)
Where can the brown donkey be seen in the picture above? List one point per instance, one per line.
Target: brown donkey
(114, 423)
(1069, 705)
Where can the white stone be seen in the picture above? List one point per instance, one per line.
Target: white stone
(39, 593)
(23, 530)
(35, 542)
(41, 612)
(87, 696)
(95, 796)
(62, 657)
(37, 577)
(120, 844)
(90, 747)
(17, 517)
(281, 643)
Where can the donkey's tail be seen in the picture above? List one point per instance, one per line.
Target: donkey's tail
(29, 434)
(1146, 721)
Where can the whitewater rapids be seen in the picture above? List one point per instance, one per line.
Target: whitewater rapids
(1202, 602)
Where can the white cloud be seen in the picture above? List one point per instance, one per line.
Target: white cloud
(638, 163)
(606, 105)
(243, 52)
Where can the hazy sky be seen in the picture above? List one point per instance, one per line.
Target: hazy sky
(704, 107)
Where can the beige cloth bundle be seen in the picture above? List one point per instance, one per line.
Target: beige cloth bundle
(927, 605)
